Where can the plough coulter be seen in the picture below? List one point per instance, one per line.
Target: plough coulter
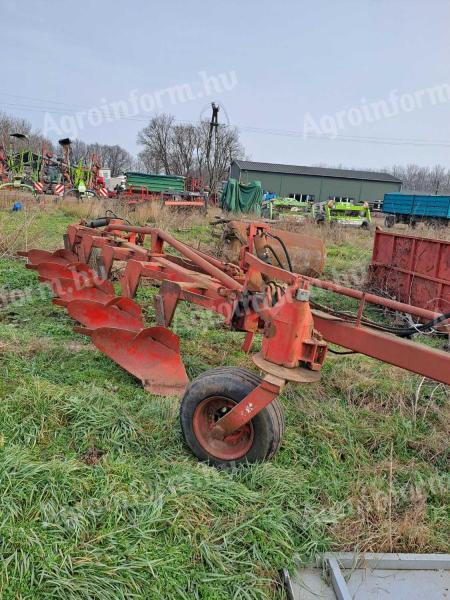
(228, 415)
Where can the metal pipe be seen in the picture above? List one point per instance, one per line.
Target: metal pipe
(231, 283)
(188, 252)
(423, 313)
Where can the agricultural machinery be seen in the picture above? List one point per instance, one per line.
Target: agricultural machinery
(18, 166)
(412, 269)
(342, 213)
(82, 179)
(306, 252)
(170, 191)
(282, 207)
(228, 415)
(44, 173)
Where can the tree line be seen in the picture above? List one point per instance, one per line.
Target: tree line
(176, 148)
(434, 180)
(113, 157)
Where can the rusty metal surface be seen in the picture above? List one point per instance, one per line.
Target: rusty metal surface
(307, 252)
(297, 374)
(231, 447)
(254, 297)
(337, 288)
(152, 355)
(120, 313)
(251, 405)
(397, 351)
(412, 269)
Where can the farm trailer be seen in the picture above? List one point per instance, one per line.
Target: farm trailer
(171, 191)
(411, 269)
(412, 209)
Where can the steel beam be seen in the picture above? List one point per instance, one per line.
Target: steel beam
(386, 347)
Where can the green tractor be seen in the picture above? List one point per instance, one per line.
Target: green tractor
(342, 213)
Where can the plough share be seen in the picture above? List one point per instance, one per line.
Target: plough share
(228, 415)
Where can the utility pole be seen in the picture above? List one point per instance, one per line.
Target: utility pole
(213, 125)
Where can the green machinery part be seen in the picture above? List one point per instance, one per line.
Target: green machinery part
(286, 206)
(17, 184)
(343, 213)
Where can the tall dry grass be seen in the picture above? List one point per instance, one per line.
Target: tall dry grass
(150, 213)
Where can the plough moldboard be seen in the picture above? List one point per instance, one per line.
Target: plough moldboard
(228, 415)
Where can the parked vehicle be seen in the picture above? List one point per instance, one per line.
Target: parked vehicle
(342, 213)
(412, 269)
(278, 207)
(415, 208)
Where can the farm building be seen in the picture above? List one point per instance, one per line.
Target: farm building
(317, 184)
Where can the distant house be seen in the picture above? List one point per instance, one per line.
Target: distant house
(317, 183)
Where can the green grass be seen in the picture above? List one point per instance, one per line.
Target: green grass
(100, 498)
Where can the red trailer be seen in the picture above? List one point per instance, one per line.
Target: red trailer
(412, 269)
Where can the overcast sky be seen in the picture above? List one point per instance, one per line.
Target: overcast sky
(349, 69)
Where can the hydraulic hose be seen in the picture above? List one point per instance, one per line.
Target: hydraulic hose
(277, 258)
(398, 331)
(283, 245)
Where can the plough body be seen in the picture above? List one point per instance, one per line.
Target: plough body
(227, 415)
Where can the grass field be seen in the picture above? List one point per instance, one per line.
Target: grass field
(101, 500)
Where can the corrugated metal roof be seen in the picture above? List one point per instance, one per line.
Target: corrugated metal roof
(247, 165)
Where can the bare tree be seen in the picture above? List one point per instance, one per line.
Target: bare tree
(78, 151)
(157, 139)
(225, 148)
(435, 180)
(183, 149)
(148, 162)
(35, 142)
(115, 157)
(10, 124)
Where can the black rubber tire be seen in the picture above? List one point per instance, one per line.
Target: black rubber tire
(233, 383)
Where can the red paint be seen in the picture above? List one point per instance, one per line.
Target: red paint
(412, 269)
(249, 301)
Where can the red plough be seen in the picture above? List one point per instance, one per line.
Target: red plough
(228, 415)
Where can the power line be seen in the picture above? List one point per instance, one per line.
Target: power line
(243, 128)
(349, 138)
(42, 100)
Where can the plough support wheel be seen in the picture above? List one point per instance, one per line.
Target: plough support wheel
(210, 397)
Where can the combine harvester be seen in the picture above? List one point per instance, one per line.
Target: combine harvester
(228, 415)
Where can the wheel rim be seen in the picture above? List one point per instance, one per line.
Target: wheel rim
(233, 446)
